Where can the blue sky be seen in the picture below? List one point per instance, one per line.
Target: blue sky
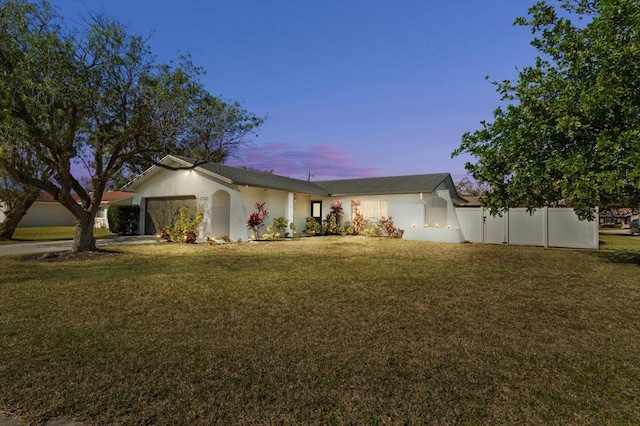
(351, 88)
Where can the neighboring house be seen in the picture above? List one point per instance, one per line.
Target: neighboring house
(470, 201)
(617, 216)
(110, 198)
(421, 205)
(48, 212)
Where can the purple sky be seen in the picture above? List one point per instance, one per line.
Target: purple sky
(351, 88)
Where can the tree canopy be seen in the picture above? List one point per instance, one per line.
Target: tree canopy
(94, 101)
(569, 130)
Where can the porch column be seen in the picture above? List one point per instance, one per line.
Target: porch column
(290, 201)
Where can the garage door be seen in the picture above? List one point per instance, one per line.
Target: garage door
(161, 212)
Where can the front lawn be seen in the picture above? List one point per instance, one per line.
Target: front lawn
(325, 330)
(52, 233)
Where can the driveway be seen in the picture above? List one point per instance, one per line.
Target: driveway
(52, 246)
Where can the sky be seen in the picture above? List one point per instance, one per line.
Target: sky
(349, 88)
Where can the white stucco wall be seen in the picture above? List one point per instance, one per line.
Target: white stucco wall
(408, 212)
(47, 214)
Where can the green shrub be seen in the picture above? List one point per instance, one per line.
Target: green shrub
(347, 228)
(123, 220)
(185, 229)
(370, 229)
(279, 226)
(312, 226)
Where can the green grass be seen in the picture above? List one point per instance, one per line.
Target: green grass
(325, 330)
(53, 233)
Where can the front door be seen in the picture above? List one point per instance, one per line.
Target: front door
(316, 211)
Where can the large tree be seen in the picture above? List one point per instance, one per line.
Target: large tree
(568, 132)
(88, 101)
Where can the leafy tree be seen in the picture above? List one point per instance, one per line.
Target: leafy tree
(92, 98)
(217, 129)
(570, 130)
(467, 186)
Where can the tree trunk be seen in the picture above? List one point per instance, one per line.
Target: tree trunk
(83, 239)
(14, 215)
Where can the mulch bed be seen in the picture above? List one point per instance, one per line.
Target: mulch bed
(66, 256)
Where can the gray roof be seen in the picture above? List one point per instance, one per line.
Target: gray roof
(385, 185)
(242, 176)
(410, 184)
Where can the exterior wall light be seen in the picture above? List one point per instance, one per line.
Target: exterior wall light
(437, 226)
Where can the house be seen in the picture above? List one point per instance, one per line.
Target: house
(617, 217)
(110, 198)
(46, 211)
(421, 205)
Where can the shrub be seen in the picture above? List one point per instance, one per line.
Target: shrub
(123, 220)
(312, 226)
(370, 230)
(347, 228)
(294, 230)
(257, 218)
(185, 229)
(279, 226)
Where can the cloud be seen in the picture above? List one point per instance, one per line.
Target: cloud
(323, 162)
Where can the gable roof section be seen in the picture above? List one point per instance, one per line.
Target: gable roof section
(241, 176)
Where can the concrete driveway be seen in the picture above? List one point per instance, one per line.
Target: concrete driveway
(53, 246)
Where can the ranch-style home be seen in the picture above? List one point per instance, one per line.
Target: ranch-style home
(422, 205)
(46, 211)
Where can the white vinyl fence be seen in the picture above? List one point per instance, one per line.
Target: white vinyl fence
(546, 227)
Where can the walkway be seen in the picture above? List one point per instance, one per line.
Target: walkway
(52, 246)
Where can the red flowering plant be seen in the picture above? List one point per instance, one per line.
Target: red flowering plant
(257, 218)
(334, 217)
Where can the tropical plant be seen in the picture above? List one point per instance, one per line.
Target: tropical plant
(387, 227)
(331, 224)
(357, 218)
(257, 218)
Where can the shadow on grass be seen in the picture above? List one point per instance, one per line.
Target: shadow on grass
(620, 249)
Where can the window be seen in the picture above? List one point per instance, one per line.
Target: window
(316, 209)
(374, 209)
